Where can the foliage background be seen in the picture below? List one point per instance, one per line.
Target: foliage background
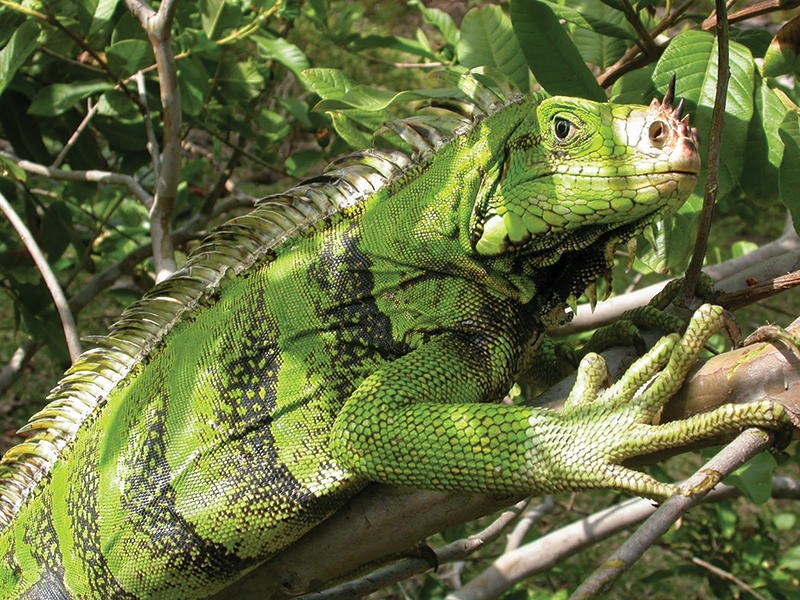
(269, 92)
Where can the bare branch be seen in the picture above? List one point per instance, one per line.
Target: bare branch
(771, 261)
(67, 322)
(404, 569)
(714, 153)
(93, 175)
(91, 111)
(11, 371)
(158, 26)
(726, 575)
(152, 142)
(745, 447)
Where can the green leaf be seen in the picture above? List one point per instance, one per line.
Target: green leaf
(754, 479)
(129, 56)
(240, 80)
(298, 164)
(367, 98)
(17, 50)
(551, 55)
(273, 125)
(670, 246)
(217, 17)
(58, 98)
(764, 148)
(328, 83)
(391, 42)
(22, 129)
(692, 57)
(9, 168)
(283, 51)
(100, 18)
(784, 51)
(785, 521)
(116, 104)
(350, 132)
(789, 172)
(597, 48)
(791, 559)
(193, 83)
(439, 20)
(593, 17)
(487, 39)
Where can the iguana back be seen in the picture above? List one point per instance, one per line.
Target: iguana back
(343, 332)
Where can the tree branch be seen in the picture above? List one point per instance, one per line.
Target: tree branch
(93, 175)
(733, 456)
(158, 26)
(714, 150)
(67, 322)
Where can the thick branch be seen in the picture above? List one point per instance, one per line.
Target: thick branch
(158, 26)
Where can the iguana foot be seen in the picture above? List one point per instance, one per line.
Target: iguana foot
(603, 429)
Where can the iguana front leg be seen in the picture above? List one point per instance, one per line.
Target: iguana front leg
(402, 427)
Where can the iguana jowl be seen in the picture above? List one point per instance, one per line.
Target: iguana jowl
(356, 328)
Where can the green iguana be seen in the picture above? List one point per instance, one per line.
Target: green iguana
(359, 327)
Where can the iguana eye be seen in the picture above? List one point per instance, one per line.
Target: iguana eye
(563, 129)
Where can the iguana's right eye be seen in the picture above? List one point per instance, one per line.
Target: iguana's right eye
(563, 129)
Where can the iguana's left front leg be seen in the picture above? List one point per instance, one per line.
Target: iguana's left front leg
(401, 426)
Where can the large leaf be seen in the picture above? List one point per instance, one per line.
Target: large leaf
(487, 39)
(608, 22)
(283, 51)
(764, 148)
(551, 54)
(193, 82)
(17, 50)
(58, 98)
(95, 15)
(692, 58)
(789, 178)
(129, 56)
(328, 83)
(670, 242)
(754, 479)
(783, 54)
(597, 48)
(439, 20)
(241, 80)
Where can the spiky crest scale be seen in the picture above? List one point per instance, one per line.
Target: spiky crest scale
(228, 250)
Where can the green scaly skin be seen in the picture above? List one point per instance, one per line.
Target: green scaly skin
(358, 336)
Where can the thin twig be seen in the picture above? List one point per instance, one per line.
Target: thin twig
(93, 175)
(152, 142)
(721, 573)
(714, 150)
(91, 111)
(67, 322)
(528, 520)
(106, 278)
(750, 443)
(644, 35)
(634, 58)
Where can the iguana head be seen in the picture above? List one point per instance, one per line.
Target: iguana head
(576, 170)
